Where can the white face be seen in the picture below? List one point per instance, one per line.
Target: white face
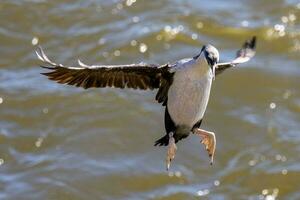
(211, 55)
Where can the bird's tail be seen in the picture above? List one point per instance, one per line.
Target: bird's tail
(180, 133)
(164, 141)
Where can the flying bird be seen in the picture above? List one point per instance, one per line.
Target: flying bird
(183, 88)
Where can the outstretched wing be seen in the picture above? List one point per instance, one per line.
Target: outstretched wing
(136, 76)
(243, 55)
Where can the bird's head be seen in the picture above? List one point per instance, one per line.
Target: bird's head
(210, 55)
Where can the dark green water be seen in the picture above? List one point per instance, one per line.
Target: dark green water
(60, 142)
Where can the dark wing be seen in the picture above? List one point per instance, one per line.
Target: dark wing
(243, 55)
(136, 76)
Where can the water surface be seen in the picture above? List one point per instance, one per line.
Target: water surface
(60, 142)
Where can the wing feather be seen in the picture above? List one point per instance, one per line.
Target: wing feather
(137, 76)
(243, 55)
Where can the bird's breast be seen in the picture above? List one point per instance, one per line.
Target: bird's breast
(188, 96)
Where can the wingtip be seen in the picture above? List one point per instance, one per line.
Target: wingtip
(38, 55)
(250, 43)
(253, 42)
(45, 67)
(44, 58)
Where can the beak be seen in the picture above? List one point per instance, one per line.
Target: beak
(214, 71)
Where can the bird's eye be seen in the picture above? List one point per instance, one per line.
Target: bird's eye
(210, 61)
(210, 58)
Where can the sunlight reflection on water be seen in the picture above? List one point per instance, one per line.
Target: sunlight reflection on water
(60, 142)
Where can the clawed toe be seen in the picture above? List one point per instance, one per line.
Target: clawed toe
(171, 150)
(208, 139)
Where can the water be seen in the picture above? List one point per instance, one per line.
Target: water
(60, 142)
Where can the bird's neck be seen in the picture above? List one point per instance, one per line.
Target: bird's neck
(203, 68)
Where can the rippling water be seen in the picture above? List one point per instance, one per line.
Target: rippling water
(60, 142)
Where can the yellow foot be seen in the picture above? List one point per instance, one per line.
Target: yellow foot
(209, 140)
(171, 150)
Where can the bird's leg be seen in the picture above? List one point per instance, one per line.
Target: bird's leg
(171, 150)
(209, 140)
